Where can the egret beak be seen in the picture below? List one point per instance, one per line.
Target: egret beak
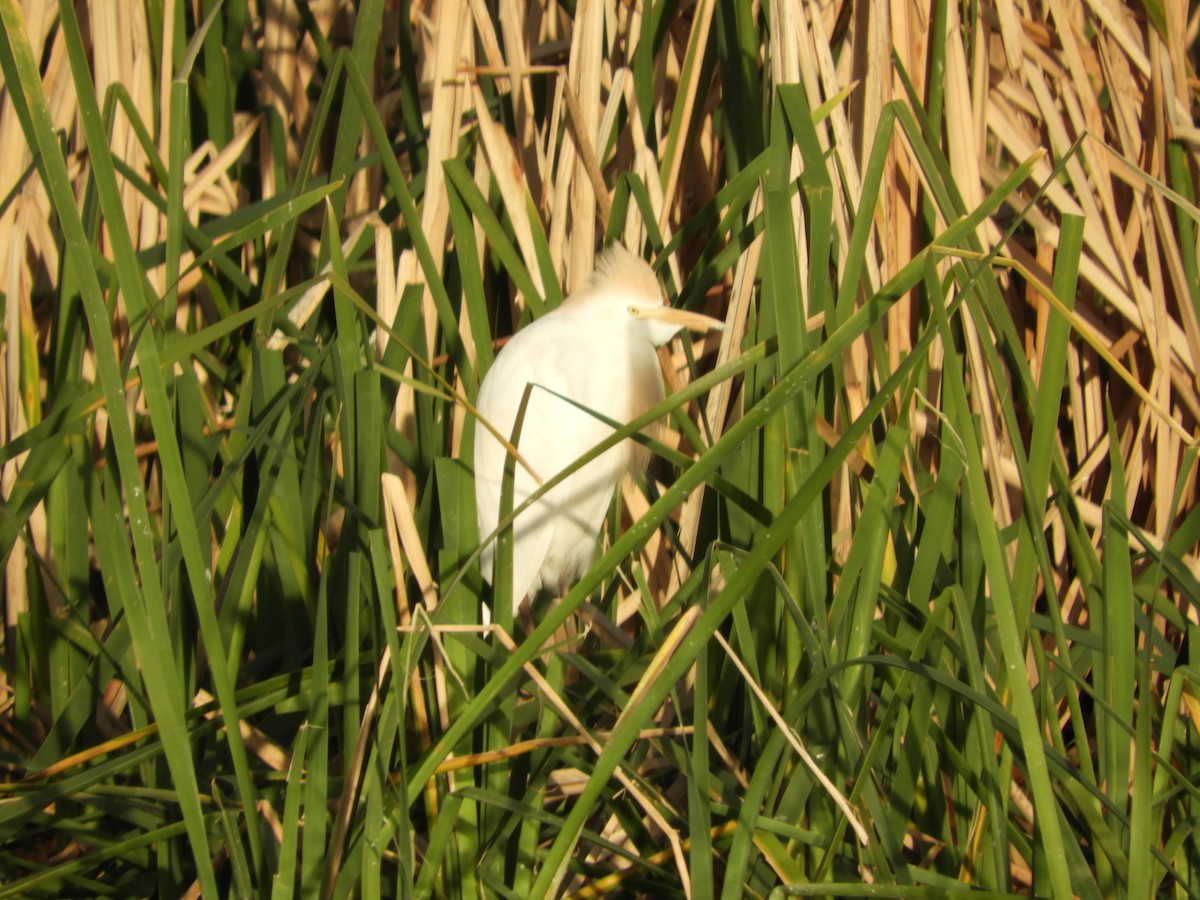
(670, 315)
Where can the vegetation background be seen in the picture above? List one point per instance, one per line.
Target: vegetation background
(907, 605)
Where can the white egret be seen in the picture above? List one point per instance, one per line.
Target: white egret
(597, 348)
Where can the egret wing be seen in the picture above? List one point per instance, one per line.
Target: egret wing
(618, 380)
(554, 541)
(524, 361)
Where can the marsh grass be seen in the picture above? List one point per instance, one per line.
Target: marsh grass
(906, 604)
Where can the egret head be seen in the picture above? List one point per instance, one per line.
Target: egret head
(624, 290)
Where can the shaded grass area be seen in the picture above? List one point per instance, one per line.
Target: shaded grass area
(906, 600)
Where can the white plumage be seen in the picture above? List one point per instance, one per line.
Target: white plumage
(598, 348)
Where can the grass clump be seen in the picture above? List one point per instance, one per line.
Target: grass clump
(907, 599)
